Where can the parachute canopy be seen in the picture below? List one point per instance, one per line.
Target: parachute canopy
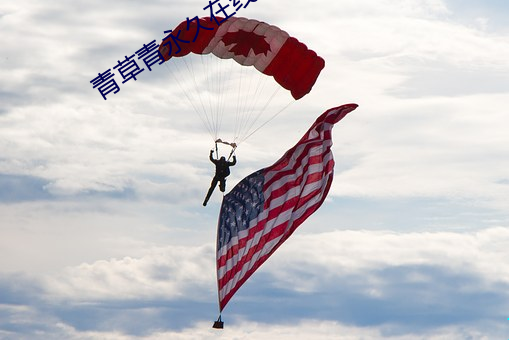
(238, 75)
(250, 43)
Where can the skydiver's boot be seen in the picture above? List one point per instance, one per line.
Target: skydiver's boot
(209, 193)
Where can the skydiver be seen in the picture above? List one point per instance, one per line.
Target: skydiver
(222, 171)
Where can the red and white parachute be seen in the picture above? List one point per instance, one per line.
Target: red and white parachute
(216, 88)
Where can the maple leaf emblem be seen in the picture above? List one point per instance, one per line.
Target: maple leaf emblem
(246, 41)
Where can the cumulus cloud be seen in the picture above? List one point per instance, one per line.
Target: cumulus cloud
(308, 263)
(339, 253)
(100, 234)
(459, 153)
(420, 80)
(380, 284)
(315, 329)
(430, 121)
(168, 273)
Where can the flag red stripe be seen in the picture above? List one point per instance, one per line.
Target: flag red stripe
(312, 161)
(274, 212)
(276, 171)
(274, 233)
(226, 298)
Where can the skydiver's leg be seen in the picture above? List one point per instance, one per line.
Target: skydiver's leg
(222, 184)
(211, 190)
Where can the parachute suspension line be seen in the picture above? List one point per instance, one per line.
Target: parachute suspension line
(239, 101)
(208, 118)
(243, 111)
(216, 72)
(268, 121)
(215, 88)
(260, 112)
(195, 108)
(249, 130)
(225, 68)
(212, 88)
(249, 134)
(234, 147)
(252, 99)
(249, 113)
(248, 105)
(192, 95)
(205, 66)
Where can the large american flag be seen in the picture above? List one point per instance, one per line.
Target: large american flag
(266, 207)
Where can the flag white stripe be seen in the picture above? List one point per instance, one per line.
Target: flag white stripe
(248, 265)
(264, 251)
(288, 215)
(315, 168)
(298, 152)
(281, 218)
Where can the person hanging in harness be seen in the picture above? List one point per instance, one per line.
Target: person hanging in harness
(222, 171)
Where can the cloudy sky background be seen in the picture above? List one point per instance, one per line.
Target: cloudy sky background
(102, 232)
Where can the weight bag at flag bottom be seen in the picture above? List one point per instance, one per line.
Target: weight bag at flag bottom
(266, 207)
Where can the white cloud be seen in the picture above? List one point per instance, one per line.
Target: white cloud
(339, 253)
(308, 263)
(124, 177)
(431, 91)
(44, 237)
(307, 329)
(162, 273)
(445, 147)
(437, 274)
(317, 329)
(401, 146)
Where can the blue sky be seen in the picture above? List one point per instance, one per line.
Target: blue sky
(102, 232)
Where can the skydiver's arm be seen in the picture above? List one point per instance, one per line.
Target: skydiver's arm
(210, 156)
(234, 161)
